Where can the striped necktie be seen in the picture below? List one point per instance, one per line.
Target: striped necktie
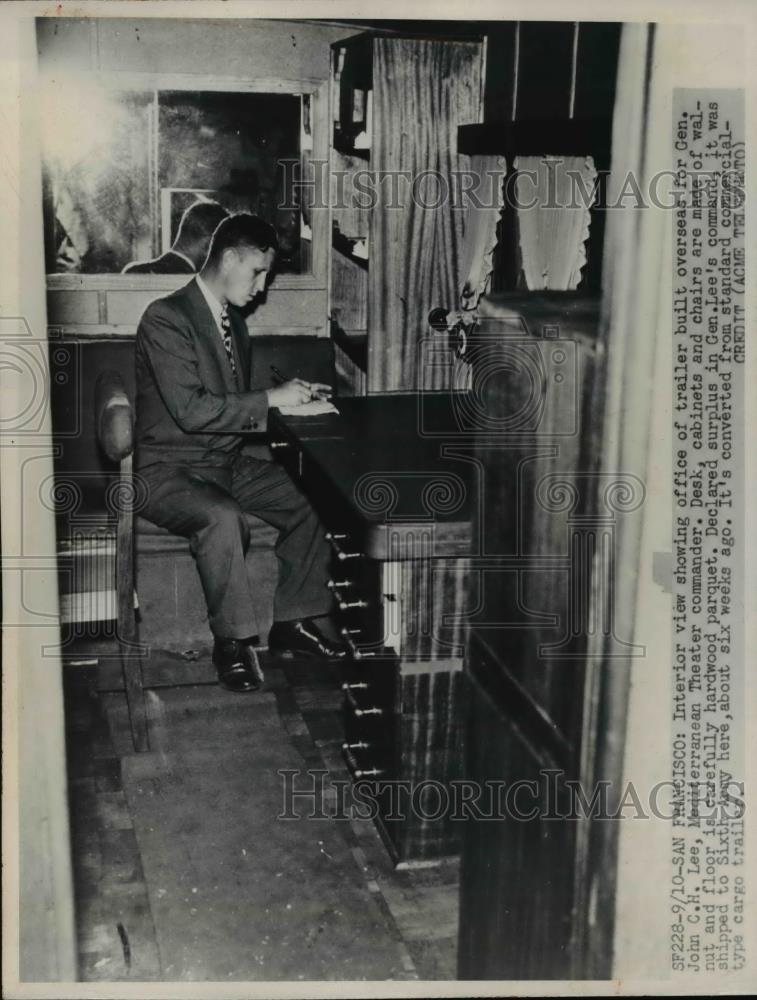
(226, 332)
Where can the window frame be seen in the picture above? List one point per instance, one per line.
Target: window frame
(317, 90)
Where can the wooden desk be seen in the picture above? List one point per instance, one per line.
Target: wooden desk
(397, 497)
(381, 463)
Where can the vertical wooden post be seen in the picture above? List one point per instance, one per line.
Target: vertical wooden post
(131, 662)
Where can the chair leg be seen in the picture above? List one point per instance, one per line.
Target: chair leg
(131, 661)
(131, 664)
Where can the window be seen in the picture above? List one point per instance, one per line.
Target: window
(120, 168)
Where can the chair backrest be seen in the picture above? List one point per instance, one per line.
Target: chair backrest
(80, 462)
(114, 416)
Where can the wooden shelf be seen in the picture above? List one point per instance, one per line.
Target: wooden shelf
(538, 137)
(354, 344)
(360, 262)
(342, 145)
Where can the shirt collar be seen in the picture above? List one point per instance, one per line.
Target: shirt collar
(217, 308)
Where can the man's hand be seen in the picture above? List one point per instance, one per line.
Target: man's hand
(296, 391)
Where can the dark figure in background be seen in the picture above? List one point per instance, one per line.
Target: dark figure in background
(190, 248)
(193, 377)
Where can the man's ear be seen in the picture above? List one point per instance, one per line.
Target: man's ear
(228, 258)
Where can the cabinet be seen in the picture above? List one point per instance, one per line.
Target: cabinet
(398, 518)
(548, 519)
(402, 719)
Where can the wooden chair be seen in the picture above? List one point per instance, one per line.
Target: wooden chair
(170, 614)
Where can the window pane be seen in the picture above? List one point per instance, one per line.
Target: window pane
(96, 179)
(230, 147)
(121, 168)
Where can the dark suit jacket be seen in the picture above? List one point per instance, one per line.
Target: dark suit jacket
(168, 263)
(187, 395)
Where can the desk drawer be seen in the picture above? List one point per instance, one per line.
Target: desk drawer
(370, 704)
(356, 585)
(288, 454)
(372, 683)
(368, 760)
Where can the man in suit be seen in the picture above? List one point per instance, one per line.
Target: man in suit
(190, 248)
(193, 378)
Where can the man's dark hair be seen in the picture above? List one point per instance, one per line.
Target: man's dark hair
(198, 223)
(242, 230)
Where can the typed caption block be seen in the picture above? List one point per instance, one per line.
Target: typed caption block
(707, 891)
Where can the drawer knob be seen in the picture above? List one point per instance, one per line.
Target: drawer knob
(360, 745)
(355, 686)
(340, 584)
(280, 444)
(334, 539)
(359, 712)
(350, 631)
(347, 605)
(358, 653)
(371, 772)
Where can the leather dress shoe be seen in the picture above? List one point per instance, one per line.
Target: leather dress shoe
(237, 664)
(302, 638)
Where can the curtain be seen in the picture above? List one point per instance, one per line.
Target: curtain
(552, 235)
(422, 91)
(481, 220)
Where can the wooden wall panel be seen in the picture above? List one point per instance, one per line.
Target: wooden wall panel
(73, 308)
(124, 308)
(500, 72)
(519, 916)
(64, 43)
(598, 45)
(517, 874)
(286, 308)
(544, 69)
(285, 311)
(265, 48)
(350, 378)
(349, 293)
(434, 593)
(527, 513)
(431, 744)
(290, 308)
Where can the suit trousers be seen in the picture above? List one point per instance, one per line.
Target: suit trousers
(208, 505)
